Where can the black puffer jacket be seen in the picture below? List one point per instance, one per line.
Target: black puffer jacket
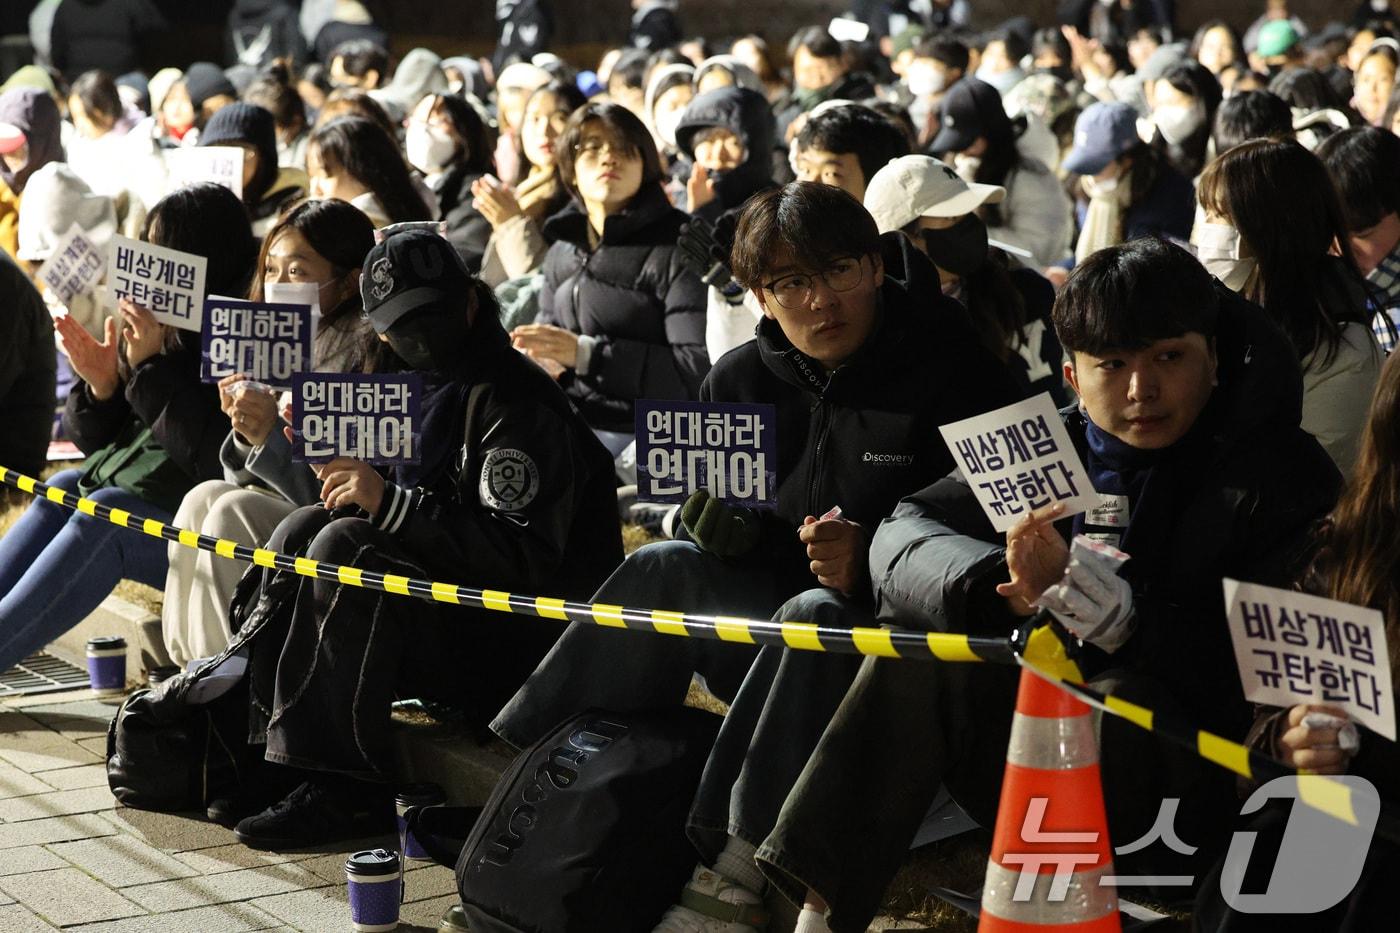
(867, 434)
(635, 297)
(467, 229)
(744, 113)
(106, 34)
(527, 501)
(1237, 497)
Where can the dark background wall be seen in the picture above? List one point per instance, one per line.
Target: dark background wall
(453, 26)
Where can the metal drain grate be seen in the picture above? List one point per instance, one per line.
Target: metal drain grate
(41, 673)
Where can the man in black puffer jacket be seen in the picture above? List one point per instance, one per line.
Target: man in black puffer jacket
(861, 372)
(1189, 427)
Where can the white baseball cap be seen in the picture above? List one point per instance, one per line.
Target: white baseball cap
(915, 186)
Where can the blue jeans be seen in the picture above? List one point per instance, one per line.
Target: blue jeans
(57, 565)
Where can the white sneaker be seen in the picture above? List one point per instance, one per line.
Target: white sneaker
(712, 903)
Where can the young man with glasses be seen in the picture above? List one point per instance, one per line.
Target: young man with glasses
(862, 371)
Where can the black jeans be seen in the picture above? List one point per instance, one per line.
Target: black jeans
(906, 727)
(332, 658)
(622, 671)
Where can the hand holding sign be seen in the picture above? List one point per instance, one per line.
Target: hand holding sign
(346, 482)
(1036, 557)
(95, 363)
(250, 408)
(1316, 739)
(141, 331)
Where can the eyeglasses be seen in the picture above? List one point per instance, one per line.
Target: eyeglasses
(794, 292)
(593, 149)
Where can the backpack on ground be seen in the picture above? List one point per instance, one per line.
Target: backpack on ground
(586, 830)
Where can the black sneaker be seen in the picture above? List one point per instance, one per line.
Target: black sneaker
(315, 814)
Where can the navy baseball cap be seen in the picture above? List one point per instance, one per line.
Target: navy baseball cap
(408, 271)
(971, 109)
(1103, 132)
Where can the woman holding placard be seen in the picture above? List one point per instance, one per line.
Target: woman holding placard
(1358, 562)
(319, 243)
(148, 427)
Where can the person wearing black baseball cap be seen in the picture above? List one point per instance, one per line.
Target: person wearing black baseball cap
(980, 141)
(512, 491)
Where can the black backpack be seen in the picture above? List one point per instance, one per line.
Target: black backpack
(586, 830)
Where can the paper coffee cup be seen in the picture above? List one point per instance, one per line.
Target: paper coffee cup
(106, 663)
(375, 882)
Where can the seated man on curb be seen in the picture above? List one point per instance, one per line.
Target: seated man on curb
(1188, 423)
(862, 373)
(512, 492)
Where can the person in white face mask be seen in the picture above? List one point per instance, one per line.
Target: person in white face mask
(937, 65)
(450, 144)
(1275, 232)
(1183, 101)
(1126, 187)
(317, 245)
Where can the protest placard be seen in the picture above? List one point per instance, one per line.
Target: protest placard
(166, 282)
(1020, 458)
(370, 417)
(222, 165)
(729, 449)
(1298, 648)
(294, 293)
(270, 342)
(74, 266)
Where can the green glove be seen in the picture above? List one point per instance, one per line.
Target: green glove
(721, 529)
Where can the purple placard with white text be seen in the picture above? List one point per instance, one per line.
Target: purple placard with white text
(727, 448)
(269, 342)
(370, 417)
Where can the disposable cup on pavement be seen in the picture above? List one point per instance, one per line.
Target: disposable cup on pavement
(375, 880)
(416, 795)
(106, 663)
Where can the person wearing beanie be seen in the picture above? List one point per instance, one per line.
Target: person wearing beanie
(267, 187)
(29, 140)
(512, 487)
(193, 99)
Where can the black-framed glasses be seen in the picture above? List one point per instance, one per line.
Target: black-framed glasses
(794, 292)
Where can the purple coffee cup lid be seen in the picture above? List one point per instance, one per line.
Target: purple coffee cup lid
(106, 642)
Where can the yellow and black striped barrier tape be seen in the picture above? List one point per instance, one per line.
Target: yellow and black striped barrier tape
(1043, 652)
(804, 636)
(1316, 790)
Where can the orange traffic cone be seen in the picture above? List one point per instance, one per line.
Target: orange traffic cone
(1051, 847)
